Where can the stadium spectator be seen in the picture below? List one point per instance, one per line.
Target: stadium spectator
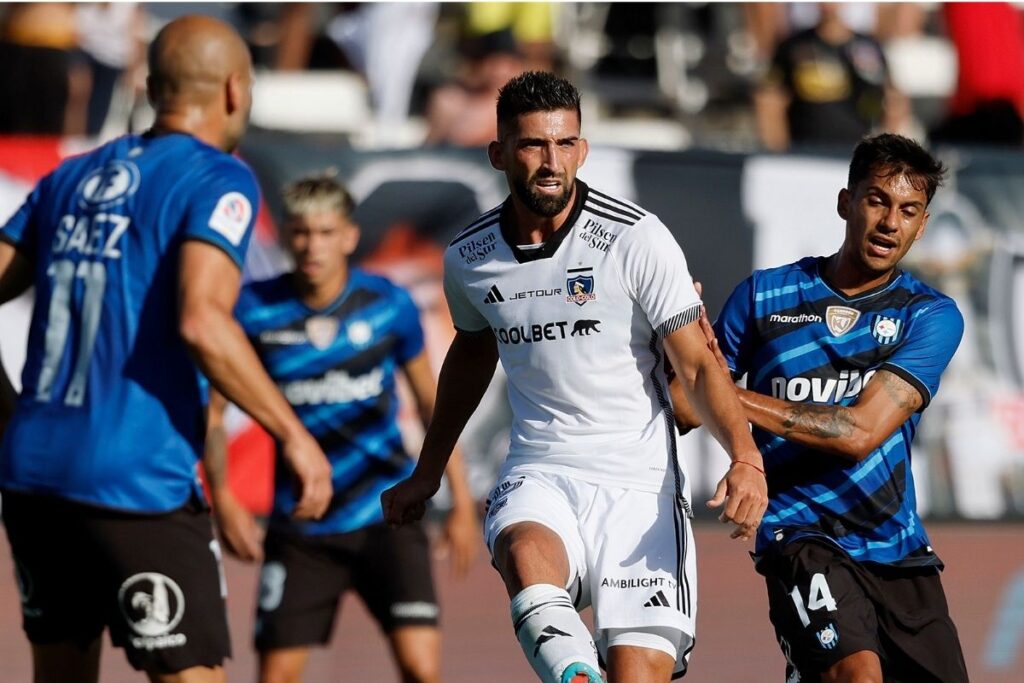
(134, 250)
(987, 106)
(827, 85)
(531, 24)
(333, 338)
(842, 354)
(108, 36)
(576, 291)
(462, 113)
(37, 41)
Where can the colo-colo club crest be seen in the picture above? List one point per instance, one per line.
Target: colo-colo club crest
(580, 289)
(841, 319)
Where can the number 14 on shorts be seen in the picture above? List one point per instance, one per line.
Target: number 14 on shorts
(820, 596)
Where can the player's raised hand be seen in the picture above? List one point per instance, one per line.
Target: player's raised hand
(743, 492)
(406, 501)
(312, 475)
(240, 534)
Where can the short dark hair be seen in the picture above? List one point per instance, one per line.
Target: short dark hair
(889, 154)
(533, 91)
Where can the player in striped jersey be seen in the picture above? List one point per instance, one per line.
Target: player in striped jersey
(334, 338)
(842, 354)
(581, 294)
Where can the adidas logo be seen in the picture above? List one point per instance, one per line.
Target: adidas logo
(494, 296)
(547, 634)
(657, 600)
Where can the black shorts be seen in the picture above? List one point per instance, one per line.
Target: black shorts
(304, 577)
(825, 606)
(155, 580)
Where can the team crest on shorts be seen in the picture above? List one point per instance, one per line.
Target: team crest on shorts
(884, 329)
(580, 289)
(322, 331)
(841, 319)
(152, 605)
(828, 637)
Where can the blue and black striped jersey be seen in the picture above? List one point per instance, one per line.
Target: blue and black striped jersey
(797, 338)
(336, 366)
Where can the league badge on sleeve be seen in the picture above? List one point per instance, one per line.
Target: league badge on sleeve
(231, 216)
(884, 329)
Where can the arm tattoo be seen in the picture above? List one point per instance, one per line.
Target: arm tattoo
(826, 422)
(901, 393)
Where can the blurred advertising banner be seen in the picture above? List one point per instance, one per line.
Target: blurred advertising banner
(731, 213)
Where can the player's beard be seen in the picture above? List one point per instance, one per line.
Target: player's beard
(540, 204)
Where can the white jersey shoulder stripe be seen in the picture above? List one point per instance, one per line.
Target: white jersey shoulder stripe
(626, 205)
(614, 208)
(601, 211)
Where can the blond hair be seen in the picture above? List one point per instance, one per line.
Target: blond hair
(315, 193)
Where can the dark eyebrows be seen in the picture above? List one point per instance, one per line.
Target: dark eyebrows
(880, 192)
(541, 141)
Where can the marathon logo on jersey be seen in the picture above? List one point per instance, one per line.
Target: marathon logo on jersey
(828, 637)
(322, 330)
(473, 250)
(580, 287)
(841, 319)
(821, 389)
(152, 605)
(231, 217)
(337, 386)
(885, 330)
(639, 582)
(794, 319)
(108, 186)
(283, 337)
(596, 236)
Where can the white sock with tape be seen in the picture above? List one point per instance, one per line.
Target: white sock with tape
(551, 632)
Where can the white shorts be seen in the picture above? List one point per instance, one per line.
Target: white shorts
(631, 553)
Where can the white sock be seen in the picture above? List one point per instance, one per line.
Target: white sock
(550, 631)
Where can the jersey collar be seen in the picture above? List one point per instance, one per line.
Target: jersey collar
(508, 232)
(823, 261)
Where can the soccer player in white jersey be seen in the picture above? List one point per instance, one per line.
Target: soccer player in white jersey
(581, 295)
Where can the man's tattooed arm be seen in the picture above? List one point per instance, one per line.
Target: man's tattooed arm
(826, 422)
(852, 432)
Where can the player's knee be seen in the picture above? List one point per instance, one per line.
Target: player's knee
(279, 670)
(417, 653)
(530, 554)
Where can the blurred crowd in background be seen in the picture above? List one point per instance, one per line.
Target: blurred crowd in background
(735, 76)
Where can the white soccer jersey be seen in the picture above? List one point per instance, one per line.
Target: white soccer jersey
(578, 324)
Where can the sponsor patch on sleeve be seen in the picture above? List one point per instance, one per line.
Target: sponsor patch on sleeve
(231, 216)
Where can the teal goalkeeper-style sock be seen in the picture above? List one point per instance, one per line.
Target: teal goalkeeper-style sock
(550, 631)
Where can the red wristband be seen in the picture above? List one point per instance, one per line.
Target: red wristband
(748, 464)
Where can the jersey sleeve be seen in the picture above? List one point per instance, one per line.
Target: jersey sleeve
(409, 328)
(656, 275)
(933, 335)
(465, 316)
(223, 206)
(735, 329)
(20, 230)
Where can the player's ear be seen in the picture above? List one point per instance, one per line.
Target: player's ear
(350, 240)
(924, 223)
(843, 203)
(584, 151)
(495, 156)
(233, 92)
